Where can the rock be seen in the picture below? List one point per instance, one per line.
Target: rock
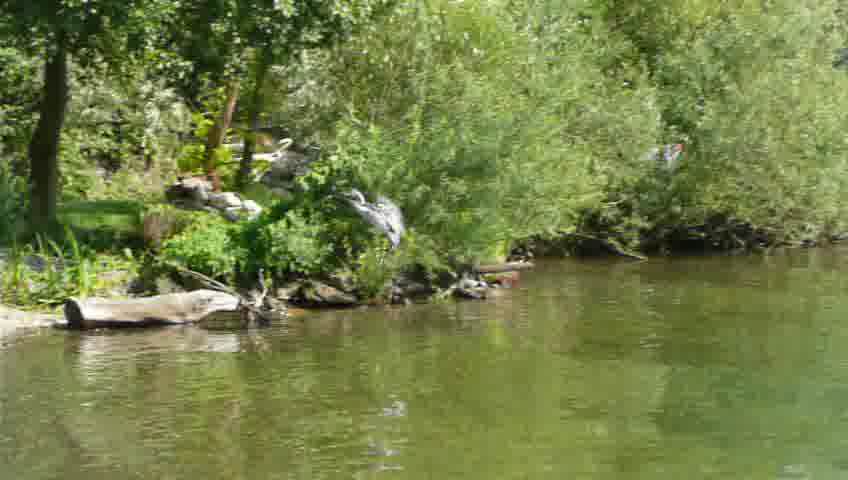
(288, 291)
(198, 184)
(841, 59)
(37, 263)
(471, 293)
(317, 293)
(235, 214)
(470, 288)
(225, 200)
(470, 284)
(505, 279)
(276, 306)
(282, 193)
(288, 164)
(232, 214)
(252, 208)
(405, 288)
(12, 320)
(189, 192)
(342, 280)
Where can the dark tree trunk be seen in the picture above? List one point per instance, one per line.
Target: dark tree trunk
(217, 133)
(255, 109)
(44, 146)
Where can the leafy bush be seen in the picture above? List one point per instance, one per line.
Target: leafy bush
(19, 87)
(486, 126)
(207, 246)
(47, 272)
(163, 221)
(753, 88)
(304, 236)
(295, 245)
(12, 203)
(122, 135)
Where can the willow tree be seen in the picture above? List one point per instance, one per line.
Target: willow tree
(59, 31)
(277, 32)
(751, 88)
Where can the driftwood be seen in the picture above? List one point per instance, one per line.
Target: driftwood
(504, 267)
(171, 309)
(252, 308)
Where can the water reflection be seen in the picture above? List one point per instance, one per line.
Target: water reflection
(728, 367)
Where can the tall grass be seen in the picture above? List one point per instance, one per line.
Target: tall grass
(47, 272)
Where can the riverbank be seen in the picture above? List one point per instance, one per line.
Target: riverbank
(339, 293)
(12, 320)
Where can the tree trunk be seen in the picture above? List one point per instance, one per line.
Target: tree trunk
(171, 309)
(246, 164)
(217, 133)
(44, 146)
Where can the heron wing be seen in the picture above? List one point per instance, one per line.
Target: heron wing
(392, 213)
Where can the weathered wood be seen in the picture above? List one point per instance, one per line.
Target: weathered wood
(504, 267)
(254, 309)
(171, 309)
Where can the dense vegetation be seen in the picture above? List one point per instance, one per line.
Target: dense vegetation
(493, 124)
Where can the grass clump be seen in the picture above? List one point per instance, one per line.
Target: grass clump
(47, 272)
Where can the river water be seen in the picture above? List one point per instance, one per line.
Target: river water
(729, 367)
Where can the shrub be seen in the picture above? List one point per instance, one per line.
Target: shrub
(12, 203)
(208, 246)
(48, 272)
(162, 222)
(293, 244)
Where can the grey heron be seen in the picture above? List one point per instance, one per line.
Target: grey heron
(383, 214)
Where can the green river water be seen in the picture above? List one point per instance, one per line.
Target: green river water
(729, 367)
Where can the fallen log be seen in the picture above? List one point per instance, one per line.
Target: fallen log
(171, 309)
(504, 267)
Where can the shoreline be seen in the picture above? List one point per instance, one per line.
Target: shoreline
(14, 320)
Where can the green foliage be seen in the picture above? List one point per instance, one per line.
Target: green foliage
(122, 135)
(374, 268)
(206, 246)
(104, 225)
(12, 203)
(191, 158)
(48, 272)
(19, 80)
(479, 125)
(752, 91)
(163, 221)
(487, 122)
(307, 235)
(295, 245)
